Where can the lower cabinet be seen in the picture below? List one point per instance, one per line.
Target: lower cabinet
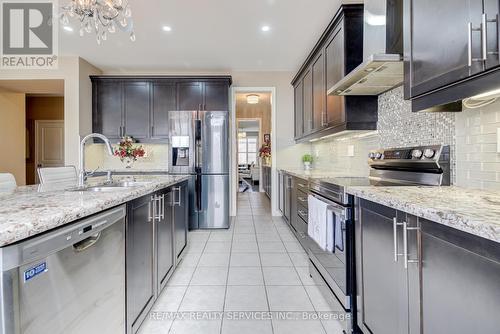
(419, 277)
(180, 198)
(140, 268)
(267, 179)
(156, 234)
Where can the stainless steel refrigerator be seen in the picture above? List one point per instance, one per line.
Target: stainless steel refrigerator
(199, 147)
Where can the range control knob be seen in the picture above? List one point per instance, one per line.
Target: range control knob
(371, 155)
(378, 155)
(429, 153)
(417, 154)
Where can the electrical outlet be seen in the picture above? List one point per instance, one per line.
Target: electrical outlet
(350, 150)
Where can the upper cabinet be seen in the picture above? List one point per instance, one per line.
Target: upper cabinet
(139, 106)
(338, 51)
(451, 51)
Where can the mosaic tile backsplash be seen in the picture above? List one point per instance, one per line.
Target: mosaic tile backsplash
(398, 126)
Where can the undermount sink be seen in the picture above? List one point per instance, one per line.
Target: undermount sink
(115, 186)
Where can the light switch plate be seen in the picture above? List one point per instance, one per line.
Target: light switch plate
(350, 150)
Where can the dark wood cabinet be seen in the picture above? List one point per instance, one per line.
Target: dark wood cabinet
(416, 294)
(164, 99)
(446, 57)
(339, 51)
(215, 96)
(138, 106)
(318, 92)
(334, 57)
(107, 115)
(164, 233)
(136, 109)
(299, 109)
(180, 202)
(307, 109)
(190, 96)
(141, 289)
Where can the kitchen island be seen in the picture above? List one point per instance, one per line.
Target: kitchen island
(104, 251)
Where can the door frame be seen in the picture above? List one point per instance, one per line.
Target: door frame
(38, 123)
(234, 157)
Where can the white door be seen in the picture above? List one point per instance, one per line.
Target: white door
(49, 144)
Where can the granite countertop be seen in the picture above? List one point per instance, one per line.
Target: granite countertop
(472, 211)
(314, 173)
(29, 210)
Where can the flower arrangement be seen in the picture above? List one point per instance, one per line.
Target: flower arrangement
(265, 152)
(129, 153)
(307, 159)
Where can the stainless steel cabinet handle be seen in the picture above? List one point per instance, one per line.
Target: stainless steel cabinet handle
(395, 225)
(471, 29)
(150, 215)
(302, 199)
(302, 185)
(405, 243)
(302, 212)
(162, 207)
(484, 37)
(179, 201)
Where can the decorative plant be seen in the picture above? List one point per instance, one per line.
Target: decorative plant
(307, 158)
(265, 150)
(127, 151)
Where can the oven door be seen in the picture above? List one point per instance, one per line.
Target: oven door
(333, 266)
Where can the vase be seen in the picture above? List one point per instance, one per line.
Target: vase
(129, 162)
(307, 165)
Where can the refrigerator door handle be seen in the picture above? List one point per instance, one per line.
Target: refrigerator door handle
(198, 193)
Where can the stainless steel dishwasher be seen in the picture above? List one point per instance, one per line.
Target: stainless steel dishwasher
(68, 281)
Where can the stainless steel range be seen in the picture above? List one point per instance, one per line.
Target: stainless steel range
(425, 165)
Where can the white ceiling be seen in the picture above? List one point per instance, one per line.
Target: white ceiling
(217, 35)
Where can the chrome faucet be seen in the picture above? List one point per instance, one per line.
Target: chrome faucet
(81, 169)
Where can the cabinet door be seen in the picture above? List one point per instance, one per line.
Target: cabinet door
(164, 99)
(108, 109)
(181, 217)
(136, 109)
(335, 64)
(319, 92)
(491, 10)
(385, 298)
(308, 102)
(287, 189)
(139, 259)
(299, 109)
(215, 96)
(189, 96)
(437, 58)
(460, 281)
(164, 238)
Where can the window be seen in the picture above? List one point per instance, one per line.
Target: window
(247, 150)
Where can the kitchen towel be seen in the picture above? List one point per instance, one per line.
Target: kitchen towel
(317, 221)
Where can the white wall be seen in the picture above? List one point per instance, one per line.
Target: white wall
(13, 135)
(77, 98)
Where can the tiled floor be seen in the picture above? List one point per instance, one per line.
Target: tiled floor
(256, 267)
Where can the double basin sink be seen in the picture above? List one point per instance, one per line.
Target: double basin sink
(114, 186)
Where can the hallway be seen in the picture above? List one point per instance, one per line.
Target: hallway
(256, 270)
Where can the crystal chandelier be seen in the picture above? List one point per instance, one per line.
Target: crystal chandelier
(100, 16)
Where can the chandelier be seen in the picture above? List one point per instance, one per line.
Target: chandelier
(100, 16)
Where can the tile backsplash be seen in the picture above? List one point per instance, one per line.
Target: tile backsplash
(477, 160)
(397, 126)
(156, 159)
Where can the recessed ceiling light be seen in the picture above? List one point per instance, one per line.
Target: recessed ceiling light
(167, 28)
(68, 28)
(265, 28)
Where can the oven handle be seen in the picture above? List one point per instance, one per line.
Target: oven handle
(332, 206)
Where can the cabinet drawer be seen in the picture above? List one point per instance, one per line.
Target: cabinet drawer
(302, 185)
(302, 199)
(302, 213)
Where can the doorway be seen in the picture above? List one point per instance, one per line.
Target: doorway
(252, 136)
(248, 137)
(38, 126)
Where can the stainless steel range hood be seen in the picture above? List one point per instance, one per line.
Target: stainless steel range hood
(382, 68)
